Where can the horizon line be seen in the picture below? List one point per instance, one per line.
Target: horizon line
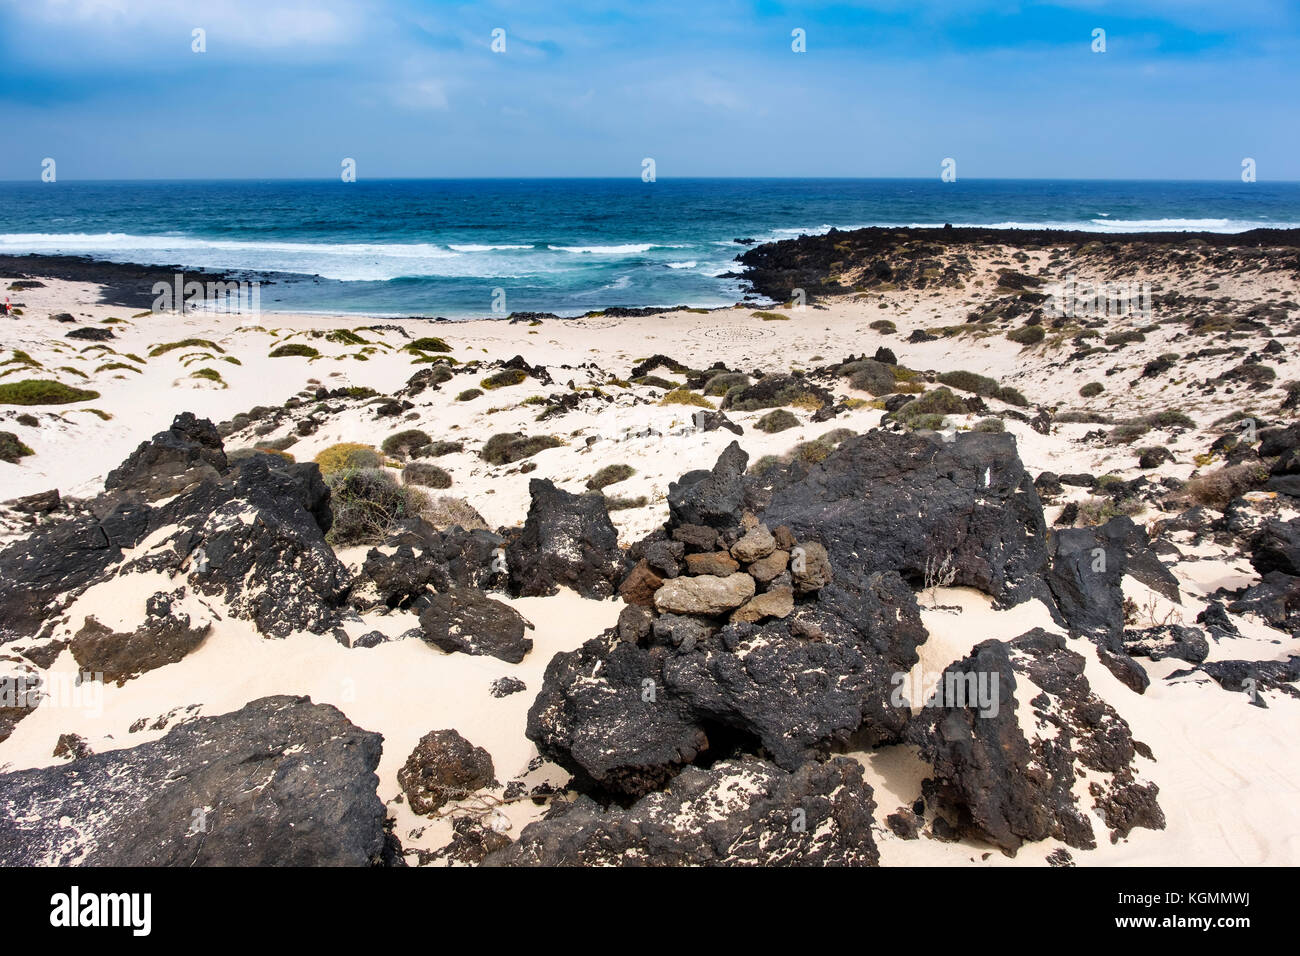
(36, 180)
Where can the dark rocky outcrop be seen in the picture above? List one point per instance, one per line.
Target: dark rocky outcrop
(908, 502)
(567, 540)
(1275, 600)
(701, 664)
(164, 637)
(416, 558)
(1168, 640)
(1087, 571)
(467, 621)
(253, 533)
(711, 498)
(1276, 547)
(41, 573)
(1252, 678)
(256, 537)
(994, 780)
(743, 812)
(175, 460)
(280, 782)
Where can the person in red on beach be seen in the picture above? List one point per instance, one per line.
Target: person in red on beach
(8, 311)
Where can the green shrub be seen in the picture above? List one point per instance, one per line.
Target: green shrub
(1127, 433)
(295, 350)
(426, 474)
(210, 374)
(1169, 418)
(684, 396)
(1095, 511)
(991, 426)
(820, 448)
(507, 376)
(367, 503)
(509, 447)
(184, 344)
(1027, 335)
(984, 386)
(348, 456)
(654, 381)
(345, 337)
(872, 377)
(1092, 389)
(883, 326)
(118, 366)
(438, 374)
(240, 454)
(1124, 338)
(777, 421)
(609, 475)
(970, 382)
(429, 344)
(616, 503)
(1072, 417)
(405, 442)
(1216, 488)
(40, 391)
(469, 394)
(438, 448)
(11, 448)
(771, 316)
(922, 411)
(1012, 396)
(719, 384)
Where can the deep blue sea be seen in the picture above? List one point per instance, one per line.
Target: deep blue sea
(442, 247)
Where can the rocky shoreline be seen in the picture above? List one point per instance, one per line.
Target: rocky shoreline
(772, 270)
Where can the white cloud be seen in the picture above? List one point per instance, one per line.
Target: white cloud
(236, 24)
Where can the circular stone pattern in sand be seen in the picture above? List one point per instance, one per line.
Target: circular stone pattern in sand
(737, 333)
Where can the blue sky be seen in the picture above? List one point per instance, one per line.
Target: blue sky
(288, 88)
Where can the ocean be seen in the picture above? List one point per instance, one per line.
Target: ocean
(473, 248)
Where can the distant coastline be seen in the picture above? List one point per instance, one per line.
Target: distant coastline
(769, 271)
(473, 248)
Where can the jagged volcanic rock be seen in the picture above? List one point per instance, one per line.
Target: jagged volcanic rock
(567, 540)
(468, 621)
(280, 782)
(897, 502)
(256, 537)
(41, 573)
(742, 812)
(164, 637)
(631, 707)
(253, 533)
(418, 558)
(175, 460)
(1006, 757)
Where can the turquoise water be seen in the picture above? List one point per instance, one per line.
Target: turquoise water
(444, 247)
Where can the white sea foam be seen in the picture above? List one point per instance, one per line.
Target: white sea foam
(344, 261)
(470, 247)
(623, 250)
